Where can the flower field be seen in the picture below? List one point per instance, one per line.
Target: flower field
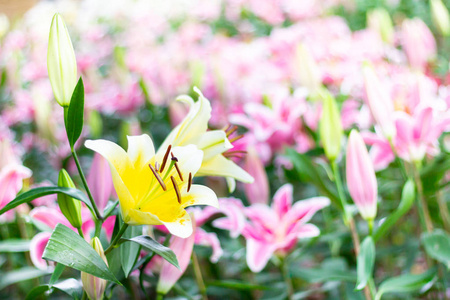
(225, 149)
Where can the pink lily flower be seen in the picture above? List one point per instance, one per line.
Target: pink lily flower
(361, 180)
(276, 229)
(234, 219)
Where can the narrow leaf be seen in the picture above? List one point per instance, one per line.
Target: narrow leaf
(68, 248)
(408, 196)
(152, 245)
(407, 283)
(237, 285)
(44, 191)
(19, 275)
(129, 252)
(37, 291)
(14, 245)
(365, 262)
(75, 114)
(56, 274)
(437, 246)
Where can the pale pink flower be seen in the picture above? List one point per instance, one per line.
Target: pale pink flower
(361, 180)
(100, 181)
(418, 43)
(258, 191)
(276, 229)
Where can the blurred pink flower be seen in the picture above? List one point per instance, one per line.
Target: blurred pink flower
(100, 181)
(418, 43)
(361, 180)
(258, 191)
(276, 229)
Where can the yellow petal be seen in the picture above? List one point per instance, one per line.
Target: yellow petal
(137, 217)
(220, 166)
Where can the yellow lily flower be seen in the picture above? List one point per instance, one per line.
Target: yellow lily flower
(155, 191)
(194, 130)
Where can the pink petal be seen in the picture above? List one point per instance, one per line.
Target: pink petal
(282, 200)
(258, 254)
(37, 247)
(49, 216)
(209, 239)
(100, 181)
(302, 211)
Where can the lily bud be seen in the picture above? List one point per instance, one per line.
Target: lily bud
(380, 21)
(440, 16)
(330, 126)
(4, 25)
(308, 71)
(379, 102)
(258, 191)
(94, 286)
(70, 207)
(61, 62)
(361, 180)
(418, 43)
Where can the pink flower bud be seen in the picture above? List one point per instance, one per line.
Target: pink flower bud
(100, 181)
(418, 43)
(258, 191)
(361, 180)
(379, 102)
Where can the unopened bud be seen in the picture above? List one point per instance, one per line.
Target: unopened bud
(61, 62)
(440, 15)
(94, 286)
(70, 207)
(330, 126)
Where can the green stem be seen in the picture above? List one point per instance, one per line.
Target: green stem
(423, 208)
(338, 182)
(88, 191)
(117, 238)
(398, 160)
(159, 296)
(370, 225)
(80, 232)
(198, 276)
(443, 210)
(287, 278)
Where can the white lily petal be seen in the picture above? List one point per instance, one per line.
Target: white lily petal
(181, 227)
(189, 159)
(220, 166)
(140, 149)
(199, 195)
(231, 182)
(213, 143)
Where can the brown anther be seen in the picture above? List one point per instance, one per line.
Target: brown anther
(177, 191)
(173, 157)
(161, 182)
(230, 132)
(236, 138)
(156, 166)
(226, 127)
(165, 158)
(178, 171)
(189, 181)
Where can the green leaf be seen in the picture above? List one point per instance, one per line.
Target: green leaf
(437, 246)
(23, 274)
(71, 287)
(44, 191)
(365, 262)
(152, 245)
(129, 252)
(236, 285)
(408, 196)
(14, 245)
(68, 248)
(56, 274)
(75, 113)
(407, 283)
(37, 291)
(311, 172)
(333, 269)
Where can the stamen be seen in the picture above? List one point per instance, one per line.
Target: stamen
(173, 157)
(161, 182)
(226, 127)
(189, 181)
(235, 153)
(236, 138)
(232, 130)
(177, 191)
(156, 166)
(178, 171)
(165, 158)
